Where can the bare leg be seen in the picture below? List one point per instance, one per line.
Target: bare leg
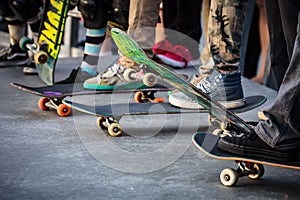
(264, 41)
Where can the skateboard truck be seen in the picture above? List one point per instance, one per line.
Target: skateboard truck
(55, 103)
(149, 79)
(110, 124)
(147, 96)
(35, 49)
(229, 176)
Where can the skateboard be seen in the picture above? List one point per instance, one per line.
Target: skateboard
(247, 166)
(47, 48)
(109, 115)
(52, 96)
(131, 49)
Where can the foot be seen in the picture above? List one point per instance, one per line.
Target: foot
(225, 88)
(176, 56)
(251, 145)
(30, 69)
(76, 76)
(116, 75)
(13, 55)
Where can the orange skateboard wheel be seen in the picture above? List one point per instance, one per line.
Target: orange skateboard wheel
(63, 110)
(42, 103)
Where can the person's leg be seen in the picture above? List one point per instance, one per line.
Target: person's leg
(183, 18)
(278, 49)
(224, 38)
(277, 138)
(253, 47)
(14, 55)
(282, 129)
(95, 15)
(264, 41)
(94, 37)
(143, 17)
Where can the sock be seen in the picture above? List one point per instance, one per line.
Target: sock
(94, 37)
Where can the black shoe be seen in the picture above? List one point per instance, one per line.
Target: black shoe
(13, 55)
(251, 145)
(76, 76)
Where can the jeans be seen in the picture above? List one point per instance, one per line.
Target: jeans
(282, 129)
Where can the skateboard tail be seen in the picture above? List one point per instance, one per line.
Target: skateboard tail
(51, 34)
(131, 49)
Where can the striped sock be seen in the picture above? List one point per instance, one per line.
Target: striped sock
(94, 37)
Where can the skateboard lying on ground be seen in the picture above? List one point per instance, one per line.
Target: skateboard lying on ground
(53, 95)
(109, 115)
(50, 38)
(247, 166)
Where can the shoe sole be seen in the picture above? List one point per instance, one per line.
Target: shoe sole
(194, 105)
(14, 63)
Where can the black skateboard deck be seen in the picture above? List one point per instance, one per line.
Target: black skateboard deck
(111, 114)
(53, 95)
(247, 166)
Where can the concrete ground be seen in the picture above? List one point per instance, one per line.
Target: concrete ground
(44, 156)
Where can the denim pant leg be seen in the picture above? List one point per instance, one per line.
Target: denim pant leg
(278, 49)
(282, 130)
(245, 34)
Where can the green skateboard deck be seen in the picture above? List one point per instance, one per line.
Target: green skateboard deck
(131, 49)
(109, 115)
(247, 166)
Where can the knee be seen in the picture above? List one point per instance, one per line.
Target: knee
(87, 9)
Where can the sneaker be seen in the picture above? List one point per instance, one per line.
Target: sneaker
(30, 69)
(251, 145)
(13, 55)
(225, 88)
(114, 76)
(76, 76)
(176, 56)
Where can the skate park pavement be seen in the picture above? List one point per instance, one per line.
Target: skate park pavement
(44, 156)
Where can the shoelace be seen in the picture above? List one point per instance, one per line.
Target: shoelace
(207, 86)
(115, 70)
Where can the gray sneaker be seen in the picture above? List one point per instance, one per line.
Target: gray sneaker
(116, 75)
(225, 88)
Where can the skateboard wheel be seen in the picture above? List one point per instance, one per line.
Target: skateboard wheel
(150, 79)
(128, 75)
(23, 42)
(41, 57)
(42, 103)
(229, 177)
(114, 129)
(259, 171)
(158, 100)
(101, 122)
(138, 97)
(63, 110)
